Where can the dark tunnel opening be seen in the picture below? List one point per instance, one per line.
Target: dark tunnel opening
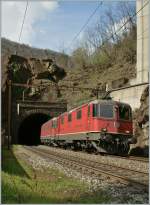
(30, 128)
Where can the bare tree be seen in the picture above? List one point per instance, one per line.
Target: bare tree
(126, 11)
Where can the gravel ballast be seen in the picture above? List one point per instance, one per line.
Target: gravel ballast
(112, 160)
(121, 193)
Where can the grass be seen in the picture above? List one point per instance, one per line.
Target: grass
(22, 184)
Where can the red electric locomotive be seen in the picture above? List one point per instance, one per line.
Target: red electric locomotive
(101, 125)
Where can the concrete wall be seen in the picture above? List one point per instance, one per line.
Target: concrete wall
(130, 95)
(143, 51)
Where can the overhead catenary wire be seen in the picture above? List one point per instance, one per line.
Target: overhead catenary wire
(62, 87)
(123, 26)
(89, 20)
(119, 29)
(23, 21)
(86, 23)
(135, 14)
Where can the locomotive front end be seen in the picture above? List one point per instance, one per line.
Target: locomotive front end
(114, 122)
(124, 127)
(124, 122)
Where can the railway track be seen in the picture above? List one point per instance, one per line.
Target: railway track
(131, 158)
(134, 158)
(122, 175)
(140, 159)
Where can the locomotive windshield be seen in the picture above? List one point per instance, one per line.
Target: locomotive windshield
(103, 110)
(124, 112)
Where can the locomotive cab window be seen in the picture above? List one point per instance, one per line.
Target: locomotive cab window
(95, 110)
(106, 111)
(103, 110)
(69, 117)
(124, 112)
(79, 114)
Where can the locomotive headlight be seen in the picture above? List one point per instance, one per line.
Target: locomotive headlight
(127, 131)
(104, 130)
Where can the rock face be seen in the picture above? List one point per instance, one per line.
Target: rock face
(21, 70)
(32, 71)
(141, 125)
(119, 83)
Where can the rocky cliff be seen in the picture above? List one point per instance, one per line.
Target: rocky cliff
(141, 125)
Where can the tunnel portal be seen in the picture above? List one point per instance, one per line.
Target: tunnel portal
(30, 127)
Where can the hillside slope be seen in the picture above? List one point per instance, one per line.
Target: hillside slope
(112, 65)
(91, 75)
(12, 48)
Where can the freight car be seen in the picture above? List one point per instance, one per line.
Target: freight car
(101, 126)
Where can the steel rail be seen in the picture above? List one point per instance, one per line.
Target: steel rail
(132, 158)
(129, 157)
(93, 170)
(140, 159)
(91, 161)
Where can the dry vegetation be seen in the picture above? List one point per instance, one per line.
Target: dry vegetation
(103, 56)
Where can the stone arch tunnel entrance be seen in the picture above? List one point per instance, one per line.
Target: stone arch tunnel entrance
(27, 118)
(30, 127)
